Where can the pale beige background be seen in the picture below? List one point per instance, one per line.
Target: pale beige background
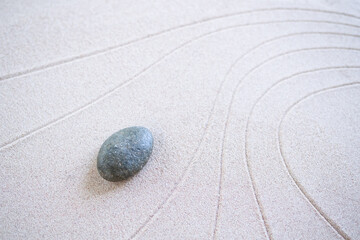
(255, 110)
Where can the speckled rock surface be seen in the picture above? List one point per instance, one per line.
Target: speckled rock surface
(124, 153)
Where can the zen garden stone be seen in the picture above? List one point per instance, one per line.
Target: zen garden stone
(124, 153)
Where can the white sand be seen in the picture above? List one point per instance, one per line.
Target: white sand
(254, 109)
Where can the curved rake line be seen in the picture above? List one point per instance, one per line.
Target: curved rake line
(133, 78)
(151, 35)
(334, 227)
(151, 217)
(287, 167)
(228, 117)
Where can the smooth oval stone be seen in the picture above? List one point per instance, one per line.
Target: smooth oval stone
(124, 153)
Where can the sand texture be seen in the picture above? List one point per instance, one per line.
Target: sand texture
(254, 108)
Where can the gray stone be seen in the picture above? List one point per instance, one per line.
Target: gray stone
(124, 153)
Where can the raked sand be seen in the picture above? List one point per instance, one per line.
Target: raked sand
(254, 108)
